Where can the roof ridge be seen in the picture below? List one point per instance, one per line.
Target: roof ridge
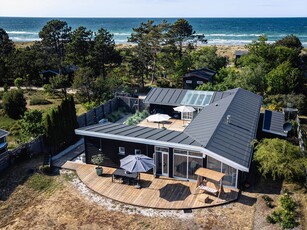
(219, 123)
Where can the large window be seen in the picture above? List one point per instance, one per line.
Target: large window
(186, 163)
(187, 116)
(230, 178)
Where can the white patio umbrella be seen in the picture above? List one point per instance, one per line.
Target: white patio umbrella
(158, 118)
(137, 163)
(184, 109)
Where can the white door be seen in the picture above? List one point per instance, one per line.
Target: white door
(161, 162)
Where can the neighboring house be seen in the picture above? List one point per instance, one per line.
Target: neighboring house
(47, 74)
(3, 143)
(220, 136)
(239, 54)
(197, 77)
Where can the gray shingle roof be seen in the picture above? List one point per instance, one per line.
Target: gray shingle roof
(273, 123)
(204, 73)
(230, 140)
(209, 129)
(165, 96)
(3, 133)
(142, 132)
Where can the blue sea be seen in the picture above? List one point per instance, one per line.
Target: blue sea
(219, 31)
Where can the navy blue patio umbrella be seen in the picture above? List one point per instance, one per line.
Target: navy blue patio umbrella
(137, 163)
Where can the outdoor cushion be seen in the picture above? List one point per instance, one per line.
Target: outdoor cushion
(208, 189)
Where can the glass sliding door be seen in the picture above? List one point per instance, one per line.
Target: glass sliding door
(230, 178)
(186, 163)
(194, 164)
(180, 166)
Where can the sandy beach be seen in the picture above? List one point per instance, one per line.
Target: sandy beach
(222, 50)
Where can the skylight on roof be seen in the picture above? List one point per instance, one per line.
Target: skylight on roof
(197, 98)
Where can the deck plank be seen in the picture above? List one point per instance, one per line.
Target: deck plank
(177, 194)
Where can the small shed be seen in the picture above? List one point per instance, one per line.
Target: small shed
(209, 181)
(240, 53)
(273, 122)
(197, 77)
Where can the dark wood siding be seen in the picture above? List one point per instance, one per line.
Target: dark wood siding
(110, 148)
(194, 80)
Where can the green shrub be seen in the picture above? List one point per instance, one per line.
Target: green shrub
(48, 89)
(286, 213)
(268, 201)
(274, 218)
(278, 101)
(89, 105)
(287, 202)
(18, 82)
(136, 118)
(39, 101)
(14, 103)
(115, 116)
(6, 87)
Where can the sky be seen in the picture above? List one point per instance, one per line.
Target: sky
(153, 8)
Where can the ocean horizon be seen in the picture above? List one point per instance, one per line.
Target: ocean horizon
(218, 31)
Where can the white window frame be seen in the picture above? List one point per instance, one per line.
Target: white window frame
(121, 151)
(188, 81)
(237, 173)
(200, 82)
(164, 151)
(187, 157)
(187, 116)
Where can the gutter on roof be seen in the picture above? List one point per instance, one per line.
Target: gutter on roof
(163, 144)
(6, 133)
(255, 135)
(276, 133)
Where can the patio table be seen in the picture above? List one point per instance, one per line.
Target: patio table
(121, 173)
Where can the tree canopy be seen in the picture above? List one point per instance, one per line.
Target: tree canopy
(55, 34)
(14, 103)
(279, 158)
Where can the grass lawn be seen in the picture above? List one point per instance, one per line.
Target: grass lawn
(7, 123)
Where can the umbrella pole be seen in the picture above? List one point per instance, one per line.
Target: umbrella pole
(138, 186)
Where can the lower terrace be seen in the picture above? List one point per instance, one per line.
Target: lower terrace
(158, 193)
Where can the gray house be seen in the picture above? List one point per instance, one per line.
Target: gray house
(219, 137)
(197, 77)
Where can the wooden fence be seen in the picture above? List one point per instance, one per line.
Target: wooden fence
(300, 135)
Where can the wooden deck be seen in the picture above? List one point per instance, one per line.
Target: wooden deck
(171, 124)
(160, 193)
